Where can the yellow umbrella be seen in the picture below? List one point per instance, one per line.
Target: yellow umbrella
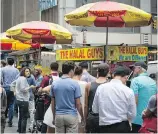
(41, 32)
(119, 15)
(11, 44)
(108, 14)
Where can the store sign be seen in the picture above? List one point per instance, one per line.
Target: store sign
(115, 53)
(126, 53)
(80, 54)
(46, 4)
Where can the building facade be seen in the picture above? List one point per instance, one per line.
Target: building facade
(14, 12)
(97, 36)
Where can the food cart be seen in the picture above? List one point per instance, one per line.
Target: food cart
(28, 57)
(125, 55)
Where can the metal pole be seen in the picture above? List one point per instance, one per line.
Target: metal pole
(106, 46)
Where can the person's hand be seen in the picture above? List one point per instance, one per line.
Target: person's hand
(82, 122)
(144, 114)
(32, 86)
(40, 90)
(53, 122)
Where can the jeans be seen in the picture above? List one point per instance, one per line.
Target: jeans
(10, 104)
(23, 115)
(31, 111)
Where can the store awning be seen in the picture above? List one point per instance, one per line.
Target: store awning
(23, 52)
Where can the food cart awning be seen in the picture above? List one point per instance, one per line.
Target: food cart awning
(23, 52)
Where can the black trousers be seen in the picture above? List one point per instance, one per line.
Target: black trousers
(10, 105)
(92, 124)
(135, 128)
(23, 115)
(122, 127)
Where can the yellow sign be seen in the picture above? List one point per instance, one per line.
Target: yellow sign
(126, 53)
(115, 53)
(77, 54)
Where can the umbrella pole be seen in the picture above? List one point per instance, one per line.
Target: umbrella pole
(106, 46)
(39, 54)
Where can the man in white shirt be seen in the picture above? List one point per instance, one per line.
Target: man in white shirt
(115, 103)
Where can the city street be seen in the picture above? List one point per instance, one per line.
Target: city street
(14, 128)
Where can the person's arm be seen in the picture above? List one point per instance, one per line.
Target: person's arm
(77, 100)
(135, 86)
(95, 105)
(132, 107)
(46, 89)
(79, 108)
(86, 100)
(53, 109)
(53, 104)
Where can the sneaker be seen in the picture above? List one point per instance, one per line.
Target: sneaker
(10, 124)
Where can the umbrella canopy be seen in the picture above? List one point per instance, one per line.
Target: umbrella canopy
(118, 15)
(41, 32)
(11, 44)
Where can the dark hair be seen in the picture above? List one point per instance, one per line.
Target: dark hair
(10, 61)
(78, 70)
(22, 73)
(54, 66)
(103, 72)
(83, 64)
(3, 63)
(153, 76)
(121, 71)
(67, 67)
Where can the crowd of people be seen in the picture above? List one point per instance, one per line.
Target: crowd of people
(76, 101)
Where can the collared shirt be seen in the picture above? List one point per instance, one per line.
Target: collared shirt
(87, 77)
(31, 81)
(9, 74)
(114, 102)
(39, 80)
(65, 90)
(144, 87)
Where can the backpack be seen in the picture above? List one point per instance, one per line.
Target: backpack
(150, 123)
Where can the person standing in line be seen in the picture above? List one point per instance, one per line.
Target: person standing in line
(38, 77)
(8, 75)
(66, 95)
(3, 108)
(22, 95)
(31, 81)
(3, 64)
(47, 126)
(115, 103)
(92, 119)
(144, 87)
(86, 76)
(83, 86)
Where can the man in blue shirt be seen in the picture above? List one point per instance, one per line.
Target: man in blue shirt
(66, 95)
(85, 75)
(144, 87)
(9, 74)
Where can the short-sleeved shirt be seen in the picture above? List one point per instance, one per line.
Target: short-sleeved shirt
(65, 90)
(144, 87)
(87, 77)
